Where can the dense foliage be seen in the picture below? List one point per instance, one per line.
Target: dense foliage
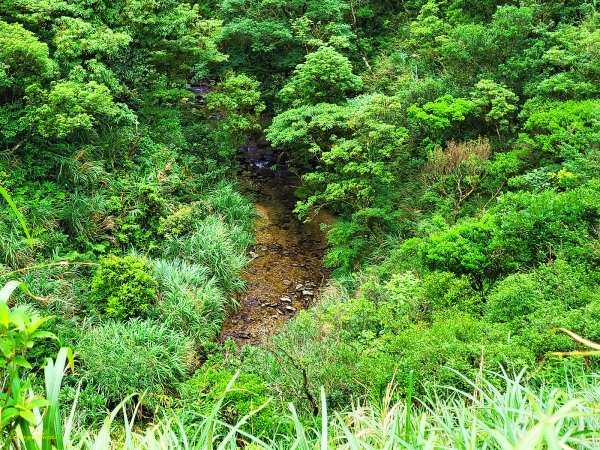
(457, 144)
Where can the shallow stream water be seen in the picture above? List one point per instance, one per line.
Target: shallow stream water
(286, 270)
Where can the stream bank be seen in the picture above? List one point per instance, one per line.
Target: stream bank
(286, 269)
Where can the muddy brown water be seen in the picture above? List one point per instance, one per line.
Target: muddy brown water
(286, 270)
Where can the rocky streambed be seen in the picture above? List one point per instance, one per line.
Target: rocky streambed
(286, 270)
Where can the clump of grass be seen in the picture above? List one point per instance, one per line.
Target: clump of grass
(122, 358)
(216, 246)
(226, 201)
(190, 299)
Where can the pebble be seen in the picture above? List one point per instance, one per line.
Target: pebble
(286, 299)
(308, 293)
(287, 282)
(299, 287)
(290, 308)
(279, 311)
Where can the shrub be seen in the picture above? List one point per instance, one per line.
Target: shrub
(181, 221)
(123, 287)
(123, 358)
(248, 393)
(512, 298)
(445, 290)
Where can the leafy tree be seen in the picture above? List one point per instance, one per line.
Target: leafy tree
(325, 76)
(24, 60)
(266, 36)
(497, 102)
(71, 107)
(297, 131)
(355, 170)
(573, 62)
(237, 100)
(441, 120)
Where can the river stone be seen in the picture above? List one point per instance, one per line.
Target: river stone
(286, 299)
(299, 287)
(308, 293)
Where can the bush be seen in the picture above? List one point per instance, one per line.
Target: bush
(123, 287)
(123, 358)
(248, 393)
(445, 290)
(512, 298)
(181, 221)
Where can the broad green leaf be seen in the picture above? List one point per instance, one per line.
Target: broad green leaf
(22, 362)
(4, 314)
(28, 416)
(8, 414)
(43, 335)
(38, 402)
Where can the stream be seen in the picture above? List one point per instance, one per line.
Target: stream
(286, 270)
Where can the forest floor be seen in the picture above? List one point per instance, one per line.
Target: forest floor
(286, 270)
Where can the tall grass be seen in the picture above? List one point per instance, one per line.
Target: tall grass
(190, 299)
(515, 417)
(123, 358)
(217, 246)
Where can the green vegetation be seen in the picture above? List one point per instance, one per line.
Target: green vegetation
(122, 287)
(456, 143)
